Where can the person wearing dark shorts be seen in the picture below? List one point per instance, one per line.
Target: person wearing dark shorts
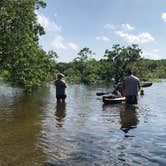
(131, 99)
(60, 88)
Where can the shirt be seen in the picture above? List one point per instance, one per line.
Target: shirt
(131, 85)
(60, 87)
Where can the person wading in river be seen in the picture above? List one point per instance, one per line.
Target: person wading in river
(60, 88)
(131, 86)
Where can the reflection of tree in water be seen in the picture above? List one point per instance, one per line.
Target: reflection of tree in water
(20, 126)
(60, 113)
(129, 119)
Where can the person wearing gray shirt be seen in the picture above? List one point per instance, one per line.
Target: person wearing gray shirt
(131, 86)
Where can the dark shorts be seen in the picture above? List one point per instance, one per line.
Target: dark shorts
(131, 100)
(60, 97)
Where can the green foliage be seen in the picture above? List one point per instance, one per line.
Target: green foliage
(20, 55)
(113, 67)
(84, 64)
(121, 59)
(84, 55)
(25, 63)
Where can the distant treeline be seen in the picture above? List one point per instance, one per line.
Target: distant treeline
(24, 62)
(112, 66)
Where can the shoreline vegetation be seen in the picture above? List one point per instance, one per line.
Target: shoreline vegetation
(24, 63)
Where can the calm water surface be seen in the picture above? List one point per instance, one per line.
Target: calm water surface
(35, 131)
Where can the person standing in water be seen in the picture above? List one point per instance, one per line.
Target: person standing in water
(60, 88)
(131, 86)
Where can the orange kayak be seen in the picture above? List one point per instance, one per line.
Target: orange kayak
(113, 99)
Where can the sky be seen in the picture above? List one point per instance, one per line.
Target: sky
(71, 25)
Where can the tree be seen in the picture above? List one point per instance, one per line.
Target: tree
(84, 55)
(20, 55)
(80, 63)
(122, 58)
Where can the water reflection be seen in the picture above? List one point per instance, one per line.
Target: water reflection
(108, 107)
(20, 126)
(35, 130)
(128, 117)
(60, 113)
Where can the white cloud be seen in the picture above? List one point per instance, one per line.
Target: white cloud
(123, 30)
(73, 46)
(126, 27)
(110, 27)
(58, 43)
(152, 54)
(141, 38)
(122, 27)
(103, 38)
(47, 23)
(52, 28)
(163, 16)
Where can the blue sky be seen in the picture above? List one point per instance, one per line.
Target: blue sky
(71, 25)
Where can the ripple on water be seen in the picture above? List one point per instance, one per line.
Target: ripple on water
(37, 131)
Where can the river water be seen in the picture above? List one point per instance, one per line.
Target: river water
(36, 131)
